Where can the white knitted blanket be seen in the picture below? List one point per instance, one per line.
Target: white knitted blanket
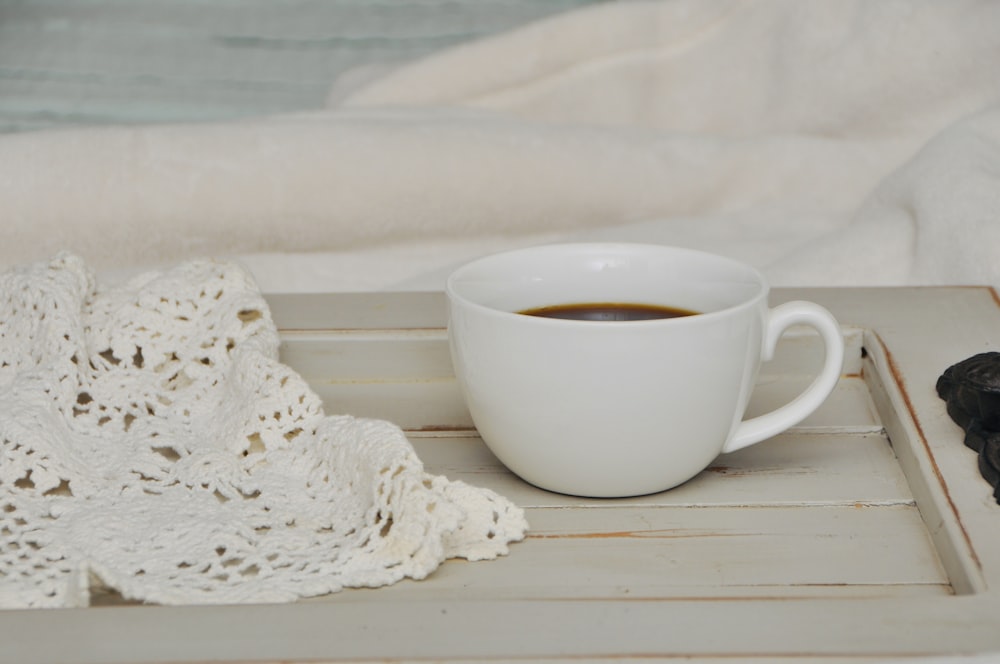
(828, 143)
(151, 442)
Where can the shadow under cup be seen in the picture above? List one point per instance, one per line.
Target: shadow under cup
(610, 408)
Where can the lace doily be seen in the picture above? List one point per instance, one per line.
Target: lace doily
(153, 443)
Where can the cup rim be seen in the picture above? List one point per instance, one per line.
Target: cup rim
(459, 273)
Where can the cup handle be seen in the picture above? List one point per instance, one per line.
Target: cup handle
(779, 319)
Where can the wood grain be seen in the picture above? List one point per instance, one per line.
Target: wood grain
(863, 535)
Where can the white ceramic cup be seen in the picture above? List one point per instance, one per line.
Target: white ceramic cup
(609, 409)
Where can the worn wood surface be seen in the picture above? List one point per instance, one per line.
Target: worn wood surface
(863, 534)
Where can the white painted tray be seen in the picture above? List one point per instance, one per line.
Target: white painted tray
(866, 533)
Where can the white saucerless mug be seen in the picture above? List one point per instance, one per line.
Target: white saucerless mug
(617, 407)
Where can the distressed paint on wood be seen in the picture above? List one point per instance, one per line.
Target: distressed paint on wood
(791, 469)
(840, 540)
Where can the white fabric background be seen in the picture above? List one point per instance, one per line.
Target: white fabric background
(847, 143)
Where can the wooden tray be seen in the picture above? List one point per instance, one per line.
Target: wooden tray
(866, 533)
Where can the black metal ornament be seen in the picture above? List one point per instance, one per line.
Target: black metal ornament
(971, 390)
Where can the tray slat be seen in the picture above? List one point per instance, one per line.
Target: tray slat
(863, 534)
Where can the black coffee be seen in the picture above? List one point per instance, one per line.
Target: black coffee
(608, 311)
